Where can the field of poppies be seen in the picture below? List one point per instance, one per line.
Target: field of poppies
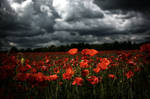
(76, 74)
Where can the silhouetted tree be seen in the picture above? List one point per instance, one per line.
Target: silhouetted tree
(13, 49)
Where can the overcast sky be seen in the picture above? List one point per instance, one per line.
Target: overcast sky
(40, 23)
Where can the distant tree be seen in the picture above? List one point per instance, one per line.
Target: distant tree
(13, 49)
(105, 46)
(28, 50)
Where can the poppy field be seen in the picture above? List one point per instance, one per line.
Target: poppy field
(76, 74)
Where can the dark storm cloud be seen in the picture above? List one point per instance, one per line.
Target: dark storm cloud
(27, 18)
(111, 23)
(28, 40)
(70, 10)
(139, 5)
(38, 23)
(21, 19)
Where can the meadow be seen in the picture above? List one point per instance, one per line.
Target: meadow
(75, 74)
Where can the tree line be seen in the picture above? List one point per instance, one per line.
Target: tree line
(106, 46)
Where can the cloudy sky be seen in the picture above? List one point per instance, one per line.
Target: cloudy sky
(40, 23)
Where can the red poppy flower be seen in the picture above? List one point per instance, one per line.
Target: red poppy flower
(47, 60)
(28, 66)
(73, 51)
(111, 76)
(56, 70)
(90, 52)
(68, 74)
(85, 72)
(96, 70)
(103, 64)
(85, 51)
(131, 62)
(78, 81)
(40, 77)
(84, 64)
(69, 70)
(93, 80)
(44, 68)
(52, 77)
(129, 74)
